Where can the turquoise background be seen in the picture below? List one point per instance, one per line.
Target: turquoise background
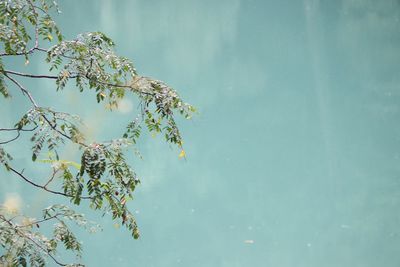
(294, 157)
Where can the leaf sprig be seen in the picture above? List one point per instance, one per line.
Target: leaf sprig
(104, 177)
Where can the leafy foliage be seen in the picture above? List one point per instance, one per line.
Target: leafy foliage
(103, 178)
(23, 242)
(3, 88)
(50, 129)
(4, 157)
(17, 15)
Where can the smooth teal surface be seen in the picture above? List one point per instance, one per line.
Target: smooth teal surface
(294, 158)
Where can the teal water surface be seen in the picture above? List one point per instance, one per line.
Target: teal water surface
(294, 157)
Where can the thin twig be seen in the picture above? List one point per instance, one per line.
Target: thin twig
(54, 127)
(16, 129)
(28, 75)
(27, 93)
(41, 186)
(54, 77)
(13, 139)
(24, 91)
(30, 51)
(51, 178)
(39, 221)
(18, 133)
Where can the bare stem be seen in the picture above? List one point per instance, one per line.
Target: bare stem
(42, 186)
(54, 77)
(18, 133)
(35, 76)
(24, 91)
(16, 129)
(40, 221)
(51, 178)
(12, 139)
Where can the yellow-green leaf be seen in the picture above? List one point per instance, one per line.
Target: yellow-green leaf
(182, 154)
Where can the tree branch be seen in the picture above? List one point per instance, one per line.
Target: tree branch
(13, 139)
(41, 186)
(24, 91)
(18, 133)
(54, 77)
(54, 127)
(33, 75)
(30, 51)
(27, 93)
(23, 235)
(36, 45)
(39, 221)
(51, 178)
(16, 129)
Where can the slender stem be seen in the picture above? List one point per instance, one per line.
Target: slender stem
(30, 51)
(24, 91)
(16, 129)
(13, 139)
(35, 76)
(18, 133)
(30, 75)
(42, 186)
(54, 127)
(51, 178)
(27, 93)
(41, 49)
(54, 77)
(39, 221)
